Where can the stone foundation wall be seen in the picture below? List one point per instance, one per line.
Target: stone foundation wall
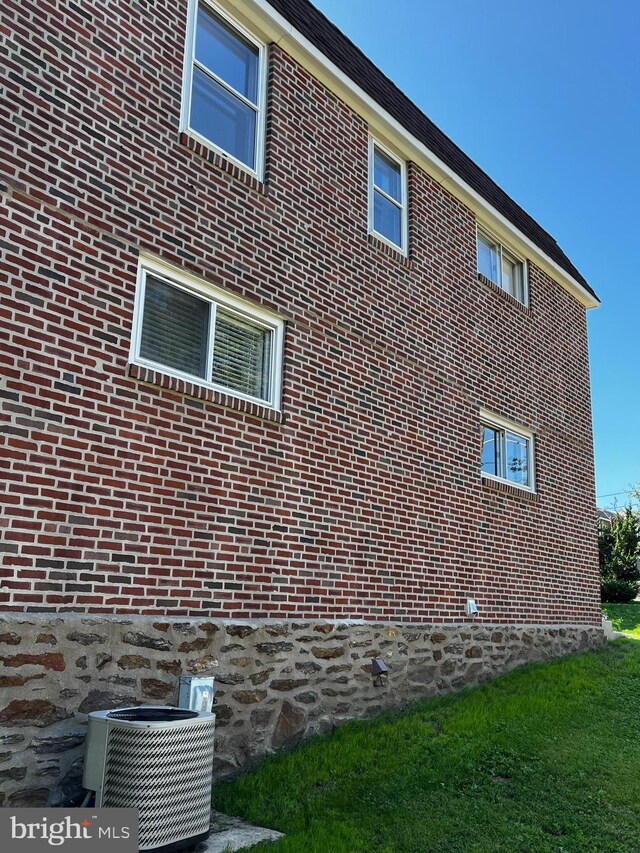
(276, 682)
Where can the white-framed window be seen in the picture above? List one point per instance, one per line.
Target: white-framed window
(387, 196)
(507, 452)
(188, 328)
(501, 266)
(224, 89)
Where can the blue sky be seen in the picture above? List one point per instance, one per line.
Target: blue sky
(545, 97)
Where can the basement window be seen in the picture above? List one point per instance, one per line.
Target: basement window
(507, 452)
(501, 266)
(190, 329)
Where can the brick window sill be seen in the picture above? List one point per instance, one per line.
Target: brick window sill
(200, 392)
(508, 489)
(503, 293)
(390, 251)
(222, 162)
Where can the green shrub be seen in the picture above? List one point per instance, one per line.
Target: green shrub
(616, 591)
(619, 547)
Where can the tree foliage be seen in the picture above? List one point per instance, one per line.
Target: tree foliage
(619, 547)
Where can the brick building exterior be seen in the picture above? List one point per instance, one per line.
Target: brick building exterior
(393, 364)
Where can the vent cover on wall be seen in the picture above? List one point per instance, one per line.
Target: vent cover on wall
(158, 760)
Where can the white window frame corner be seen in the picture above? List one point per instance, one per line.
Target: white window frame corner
(217, 297)
(404, 207)
(525, 281)
(187, 79)
(493, 421)
(277, 366)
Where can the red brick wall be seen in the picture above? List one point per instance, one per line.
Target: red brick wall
(365, 499)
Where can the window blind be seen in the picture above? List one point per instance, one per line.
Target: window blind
(241, 355)
(174, 328)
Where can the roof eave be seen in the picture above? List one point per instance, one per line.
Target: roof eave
(273, 26)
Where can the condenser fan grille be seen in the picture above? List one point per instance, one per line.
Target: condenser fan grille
(166, 774)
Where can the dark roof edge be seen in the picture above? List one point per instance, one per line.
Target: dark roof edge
(348, 58)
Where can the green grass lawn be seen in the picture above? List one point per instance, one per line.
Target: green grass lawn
(545, 759)
(625, 618)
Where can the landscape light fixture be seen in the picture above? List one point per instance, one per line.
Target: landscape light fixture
(380, 671)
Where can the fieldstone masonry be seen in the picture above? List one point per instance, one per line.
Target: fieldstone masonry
(276, 682)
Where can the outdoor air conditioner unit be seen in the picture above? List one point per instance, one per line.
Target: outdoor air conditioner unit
(158, 760)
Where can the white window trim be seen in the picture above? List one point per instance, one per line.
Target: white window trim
(404, 219)
(217, 297)
(187, 77)
(497, 422)
(491, 237)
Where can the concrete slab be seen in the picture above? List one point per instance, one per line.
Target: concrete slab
(231, 833)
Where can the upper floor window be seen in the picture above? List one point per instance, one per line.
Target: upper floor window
(387, 197)
(188, 328)
(507, 452)
(501, 266)
(223, 99)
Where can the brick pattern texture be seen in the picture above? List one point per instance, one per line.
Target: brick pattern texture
(122, 493)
